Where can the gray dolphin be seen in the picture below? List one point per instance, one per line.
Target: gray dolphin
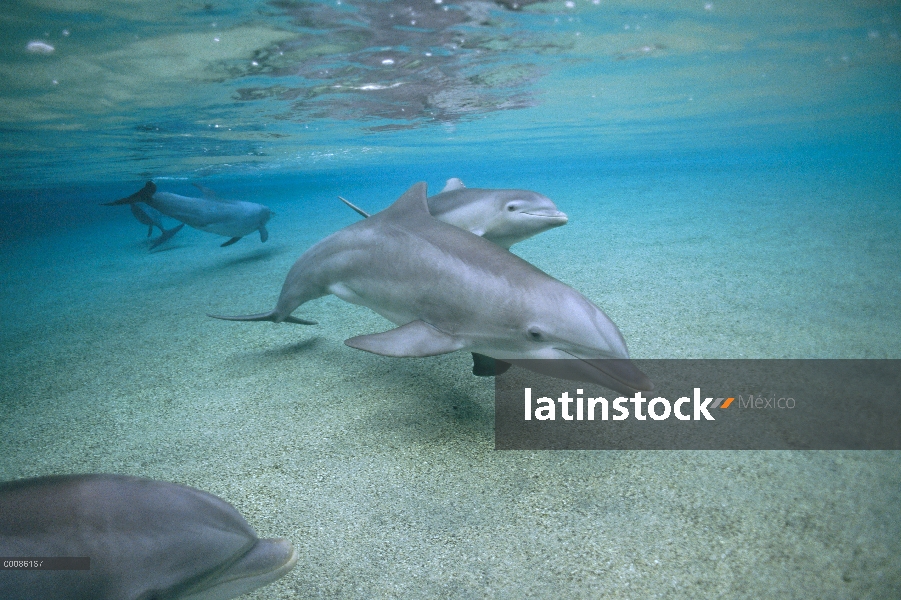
(449, 290)
(231, 218)
(505, 217)
(153, 218)
(502, 216)
(145, 539)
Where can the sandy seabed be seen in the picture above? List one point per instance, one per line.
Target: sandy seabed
(383, 471)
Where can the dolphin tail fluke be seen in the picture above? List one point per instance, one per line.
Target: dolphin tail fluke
(143, 195)
(267, 316)
(296, 321)
(167, 235)
(359, 210)
(230, 242)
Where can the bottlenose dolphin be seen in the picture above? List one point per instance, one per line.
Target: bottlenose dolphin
(450, 290)
(153, 218)
(231, 218)
(144, 538)
(505, 217)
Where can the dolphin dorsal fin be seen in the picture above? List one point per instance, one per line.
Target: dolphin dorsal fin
(453, 184)
(414, 201)
(207, 192)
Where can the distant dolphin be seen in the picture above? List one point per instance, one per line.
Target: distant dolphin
(145, 539)
(505, 217)
(151, 217)
(449, 290)
(231, 218)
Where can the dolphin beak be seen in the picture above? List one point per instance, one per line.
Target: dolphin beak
(268, 560)
(619, 374)
(554, 216)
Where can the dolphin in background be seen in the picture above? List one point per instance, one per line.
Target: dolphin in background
(232, 218)
(144, 538)
(450, 290)
(505, 217)
(153, 218)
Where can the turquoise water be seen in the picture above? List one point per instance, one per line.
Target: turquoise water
(730, 175)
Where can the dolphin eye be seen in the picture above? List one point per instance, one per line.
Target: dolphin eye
(535, 334)
(512, 207)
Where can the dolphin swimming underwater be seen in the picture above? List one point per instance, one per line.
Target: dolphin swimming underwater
(145, 539)
(450, 290)
(151, 217)
(502, 216)
(505, 217)
(232, 218)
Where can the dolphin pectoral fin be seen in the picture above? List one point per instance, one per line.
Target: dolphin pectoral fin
(485, 366)
(207, 192)
(231, 241)
(454, 183)
(142, 216)
(415, 339)
(482, 366)
(142, 195)
(264, 235)
(267, 316)
(167, 235)
(359, 210)
(149, 229)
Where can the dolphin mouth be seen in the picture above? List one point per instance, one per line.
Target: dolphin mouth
(266, 561)
(618, 374)
(550, 215)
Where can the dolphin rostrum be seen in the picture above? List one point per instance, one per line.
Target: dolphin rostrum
(144, 539)
(151, 217)
(505, 217)
(449, 290)
(232, 218)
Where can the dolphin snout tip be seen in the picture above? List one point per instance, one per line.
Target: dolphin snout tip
(268, 560)
(622, 375)
(281, 549)
(643, 383)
